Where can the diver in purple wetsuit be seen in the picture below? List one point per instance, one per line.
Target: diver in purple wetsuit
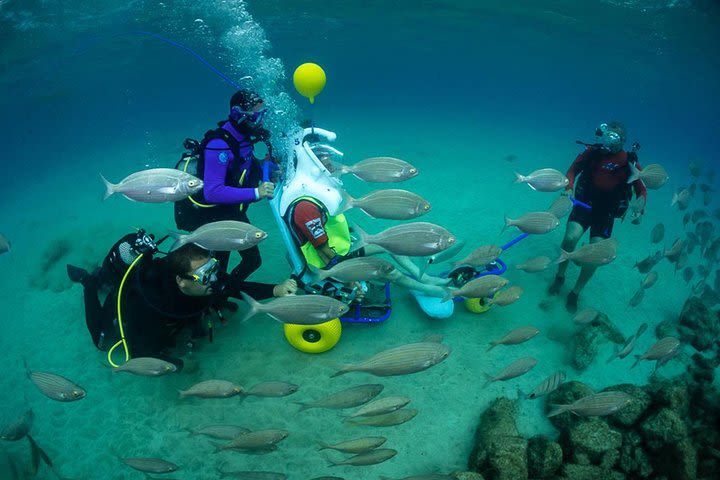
(232, 176)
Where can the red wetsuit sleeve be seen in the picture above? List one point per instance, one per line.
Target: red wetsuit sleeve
(573, 170)
(309, 223)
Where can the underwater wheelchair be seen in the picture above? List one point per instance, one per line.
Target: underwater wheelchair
(306, 177)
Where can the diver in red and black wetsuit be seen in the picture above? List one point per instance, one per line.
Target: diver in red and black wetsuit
(603, 169)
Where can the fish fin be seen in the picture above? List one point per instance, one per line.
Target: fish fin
(109, 187)
(519, 178)
(488, 379)
(254, 307)
(34, 456)
(362, 238)
(448, 295)
(634, 173)
(27, 368)
(507, 223)
(179, 237)
(556, 410)
(347, 202)
(637, 360)
(614, 355)
(322, 445)
(342, 371)
(303, 406)
(339, 169)
(423, 268)
(316, 275)
(43, 456)
(493, 344)
(564, 257)
(218, 446)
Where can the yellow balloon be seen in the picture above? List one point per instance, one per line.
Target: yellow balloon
(309, 80)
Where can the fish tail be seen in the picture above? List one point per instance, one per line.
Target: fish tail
(109, 187)
(488, 379)
(423, 268)
(508, 223)
(675, 199)
(218, 447)
(637, 360)
(303, 406)
(347, 201)
(316, 274)
(323, 445)
(564, 256)
(520, 178)
(557, 410)
(27, 368)
(634, 173)
(340, 169)
(362, 238)
(613, 356)
(448, 295)
(182, 393)
(492, 345)
(342, 371)
(254, 307)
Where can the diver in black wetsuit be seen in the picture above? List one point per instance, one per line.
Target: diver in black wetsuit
(160, 295)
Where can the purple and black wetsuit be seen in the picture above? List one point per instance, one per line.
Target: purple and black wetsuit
(230, 185)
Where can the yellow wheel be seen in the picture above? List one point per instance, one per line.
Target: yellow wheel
(314, 338)
(477, 305)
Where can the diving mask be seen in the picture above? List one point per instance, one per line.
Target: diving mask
(251, 118)
(609, 140)
(206, 273)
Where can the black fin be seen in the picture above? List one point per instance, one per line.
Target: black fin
(77, 274)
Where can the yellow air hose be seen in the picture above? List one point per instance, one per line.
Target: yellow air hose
(119, 317)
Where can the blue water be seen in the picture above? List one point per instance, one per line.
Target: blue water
(454, 87)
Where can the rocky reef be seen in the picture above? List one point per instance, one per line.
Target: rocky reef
(670, 431)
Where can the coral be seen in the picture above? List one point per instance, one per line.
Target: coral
(544, 457)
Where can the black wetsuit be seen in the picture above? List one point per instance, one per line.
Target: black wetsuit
(153, 309)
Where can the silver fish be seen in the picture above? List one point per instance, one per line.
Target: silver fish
(417, 239)
(220, 432)
(368, 458)
(657, 233)
(257, 440)
(56, 387)
(506, 297)
(650, 280)
(146, 366)
(156, 185)
(428, 476)
(681, 198)
(665, 347)
(150, 465)
(222, 236)
(357, 269)
(646, 264)
(516, 336)
(391, 204)
(18, 429)
(357, 445)
(549, 385)
(253, 475)
(481, 256)
(380, 170)
(380, 406)
(561, 206)
(442, 256)
(4, 244)
(594, 254)
(534, 222)
(297, 309)
(519, 367)
(585, 316)
(536, 264)
(673, 254)
(272, 389)
(636, 206)
(348, 398)
(629, 344)
(402, 360)
(212, 389)
(387, 419)
(595, 405)
(637, 298)
(653, 176)
(480, 287)
(544, 180)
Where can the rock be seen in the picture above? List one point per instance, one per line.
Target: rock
(566, 394)
(663, 428)
(630, 414)
(633, 459)
(702, 370)
(499, 449)
(698, 326)
(593, 439)
(677, 461)
(468, 476)
(572, 471)
(586, 342)
(671, 394)
(544, 457)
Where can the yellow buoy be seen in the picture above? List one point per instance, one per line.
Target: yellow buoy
(477, 305)
(309, 80)
(314, 338)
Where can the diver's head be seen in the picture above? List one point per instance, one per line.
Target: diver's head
(247, 108)
(194, 269)
(611, 136)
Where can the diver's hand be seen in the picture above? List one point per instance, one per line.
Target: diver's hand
(266, 190)
(286, 287)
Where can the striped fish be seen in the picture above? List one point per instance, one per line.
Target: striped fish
(150, 465)
(56, 387)
(519, 367)
(253, 475)
(518, 335)
(548, 385)
(357, 445)
(561, 206)
(221, 432)
(595, 405)
(534, 222)
(594, 254)
(381, 406)
(402, 360)
(629, 344)
(348, 398)
(380, 170)
(147, 366)
(19, 428)
(666, 347)
(387, 419)
(369, 458)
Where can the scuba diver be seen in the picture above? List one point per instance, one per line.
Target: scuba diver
(148, 300)
(226, 163)
(604, 169)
